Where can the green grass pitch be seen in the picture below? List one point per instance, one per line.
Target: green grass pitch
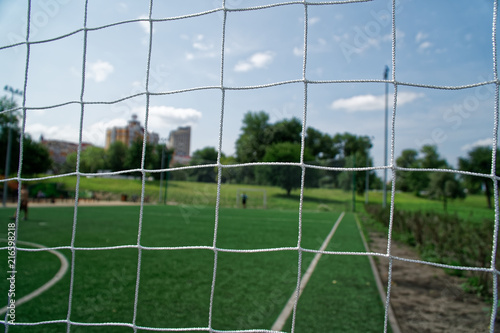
(250, 291)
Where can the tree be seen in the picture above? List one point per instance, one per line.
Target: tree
(287, 130)
(431, 158)
(353, 151)
(230, 175)
(9, 119)
(349, 144)
(410, 181)
(320, 145)
(255, 137)
(444, 186)
(36, 157)
(92, 159)
(479, 160)
(70, 164)
(258, 135)
(162, 152)
(360, 160)
(207, 155)
(251, 144)
(287, 177)
(133, 159)
(418, 181)
(116, 156)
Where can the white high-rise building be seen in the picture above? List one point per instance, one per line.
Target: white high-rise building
(180, 141)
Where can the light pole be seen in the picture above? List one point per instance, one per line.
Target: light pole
(354, 183)
(162, 166)
(169, 155)
(367, 180)
(9, 135)
(384, 185)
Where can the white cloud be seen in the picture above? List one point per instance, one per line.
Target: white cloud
(257, 60)
(420, 37)
(65, 132)
(298, 51)
(99, 70)
(94, 134)
(167, 117)
(421, 40)
(310, 20)
(478, 143)
(161, 120)
(320, 45)
(424, 45)
(313, 20)
(199, 44)
(371, 102)
(201, 47)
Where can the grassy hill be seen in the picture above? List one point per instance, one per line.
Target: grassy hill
(319, 199)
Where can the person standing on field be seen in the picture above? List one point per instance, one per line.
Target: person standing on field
(24, 202)
(244, 200)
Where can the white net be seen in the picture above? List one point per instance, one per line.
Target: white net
(149, 91)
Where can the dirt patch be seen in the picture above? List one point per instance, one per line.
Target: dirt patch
(426, 299)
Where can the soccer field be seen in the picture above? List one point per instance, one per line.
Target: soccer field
(176, 270)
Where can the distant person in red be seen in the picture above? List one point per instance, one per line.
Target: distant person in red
(244, 200)
(24, 202)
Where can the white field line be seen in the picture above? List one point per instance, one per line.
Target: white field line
(287, 310)
(378, 281)
(50, 283)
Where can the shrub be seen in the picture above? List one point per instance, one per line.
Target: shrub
(445, 238)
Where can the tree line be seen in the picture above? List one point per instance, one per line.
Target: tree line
(446, 185)
(118, 157)
(263, 141)
(36, 158)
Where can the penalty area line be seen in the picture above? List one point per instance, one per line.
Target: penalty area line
(287, 310)
(50, 283)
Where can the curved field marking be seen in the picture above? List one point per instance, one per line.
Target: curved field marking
(287, 310)
(50, 283)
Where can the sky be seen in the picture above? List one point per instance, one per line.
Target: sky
(437, 43)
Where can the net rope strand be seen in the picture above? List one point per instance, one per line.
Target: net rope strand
(143, 173)
(259, 250)
(223, 89)
(78, 160)
(21, 153)
(180, 17)
(219, 170)
(253, 87)
(303, 171)
(494, 156)
(393, 182)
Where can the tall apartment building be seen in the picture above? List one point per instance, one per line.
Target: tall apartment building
(128, 134)
(180, 141)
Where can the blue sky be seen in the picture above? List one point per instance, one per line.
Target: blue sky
(443, 43)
